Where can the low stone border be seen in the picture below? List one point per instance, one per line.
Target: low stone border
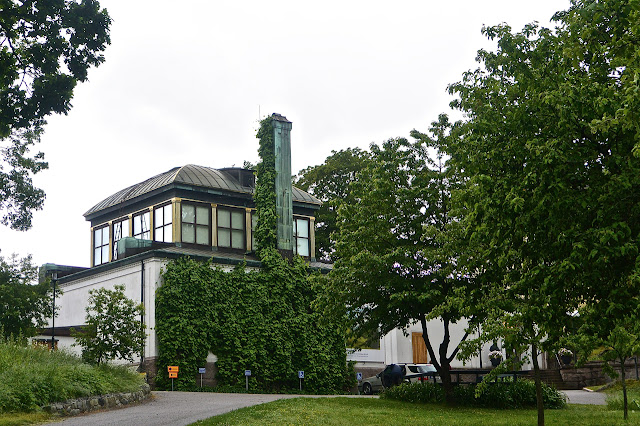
(74, 407)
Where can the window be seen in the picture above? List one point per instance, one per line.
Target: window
(254, 224)
(100, 245)
(196, 224)
(163, 228)
(141, 228)
(301, 237)
(231, 228)
(120, 230)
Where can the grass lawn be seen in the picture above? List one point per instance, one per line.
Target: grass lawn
(373, 411)
(18, 419)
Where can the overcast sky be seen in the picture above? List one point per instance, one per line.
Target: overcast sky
(186, 83)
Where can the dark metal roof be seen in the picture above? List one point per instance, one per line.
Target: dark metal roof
(190, 174)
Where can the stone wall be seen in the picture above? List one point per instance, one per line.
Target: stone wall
(73, 407)
(591, 374)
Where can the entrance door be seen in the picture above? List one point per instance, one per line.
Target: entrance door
(419, 349)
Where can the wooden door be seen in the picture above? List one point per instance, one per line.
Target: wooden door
(419, 349)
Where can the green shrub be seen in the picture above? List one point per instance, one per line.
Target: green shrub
(34, 376)
(518, 394)
(617, 403)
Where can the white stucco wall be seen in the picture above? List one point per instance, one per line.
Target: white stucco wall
(396, 347)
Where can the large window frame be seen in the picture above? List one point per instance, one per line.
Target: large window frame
(302, 236)
(101, 245)
(195, 226)
(163, 223)
(120, 231)
(142, 225)
(231, 228)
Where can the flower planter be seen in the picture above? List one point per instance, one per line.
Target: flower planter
(495, 361)
(566, 359)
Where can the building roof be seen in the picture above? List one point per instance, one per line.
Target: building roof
(199, 176)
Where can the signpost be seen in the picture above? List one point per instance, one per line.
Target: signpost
(173, 373)
(201, 370)
(300, 376)
(247, 373)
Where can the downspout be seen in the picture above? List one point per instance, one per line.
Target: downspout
(145, 308)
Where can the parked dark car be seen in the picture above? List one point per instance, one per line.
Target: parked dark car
(394, 374)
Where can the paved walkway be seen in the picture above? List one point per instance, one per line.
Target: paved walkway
(175, 408)
(585, 397)
(184, 408)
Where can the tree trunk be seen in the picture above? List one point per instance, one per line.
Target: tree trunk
(624, 389)
(538, 380)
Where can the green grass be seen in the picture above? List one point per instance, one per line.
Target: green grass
(374, 411)
(19, 419)
(33, 377)
(615, 397)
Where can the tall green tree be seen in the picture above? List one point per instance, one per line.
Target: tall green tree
(25, 304)
(113, 328)
(551, 197)
(46, 47)
(395, 266)
(329, 182)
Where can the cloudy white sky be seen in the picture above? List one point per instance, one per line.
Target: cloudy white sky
(186, 82)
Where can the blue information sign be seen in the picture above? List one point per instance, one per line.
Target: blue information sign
(247, 372)
(202, 370)
(300, 374)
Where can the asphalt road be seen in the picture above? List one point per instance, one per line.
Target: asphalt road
(173, 408)
(183, 408)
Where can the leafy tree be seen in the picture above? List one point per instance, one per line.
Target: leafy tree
(551, 197)
(329, 182)
(395, 266)
(46, 47)
(25, 305)
(610, 331)
(113, 328)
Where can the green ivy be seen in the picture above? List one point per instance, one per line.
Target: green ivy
(262, 321)
(265, 194)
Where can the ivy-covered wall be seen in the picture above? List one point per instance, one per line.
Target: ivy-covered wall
(263, 321)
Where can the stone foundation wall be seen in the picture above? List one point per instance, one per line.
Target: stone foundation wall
(73, 407)
(591, 374)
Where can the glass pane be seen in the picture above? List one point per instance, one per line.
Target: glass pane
(146, 235)
(303, 228)
(303, 246)
(97, 237)
(237, 239)
(188, 213)
(224, 218)
(105, 254)
(202, 235)
(254, 221)
(224, 238)
(159, 235)
(146, 223)
(237, 220)
(167, 214)
(188, 233)
(295, 229)
(168, 234)
(97, 257)
(125, 228)
(117, 231)
(137, 229)
(158, 218)
(105, 235)
(202, 215)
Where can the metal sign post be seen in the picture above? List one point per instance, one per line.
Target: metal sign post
(300, 376)
(173, 373)
(201, 370)
(247, 373)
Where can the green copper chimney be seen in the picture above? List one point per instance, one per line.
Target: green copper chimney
(284, 204)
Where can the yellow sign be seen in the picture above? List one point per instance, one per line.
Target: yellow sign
(172, 369)
(173, 375)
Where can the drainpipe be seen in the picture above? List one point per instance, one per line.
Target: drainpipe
(142, 315)
(54, 278)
